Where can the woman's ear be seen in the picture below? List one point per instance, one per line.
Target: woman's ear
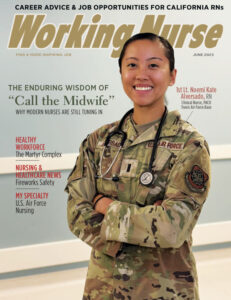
(172, 77)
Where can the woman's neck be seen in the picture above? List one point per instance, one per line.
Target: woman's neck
(143, 115)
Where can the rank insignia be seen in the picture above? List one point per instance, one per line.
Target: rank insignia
(196, 179)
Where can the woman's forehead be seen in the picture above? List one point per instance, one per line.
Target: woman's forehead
(146, 48)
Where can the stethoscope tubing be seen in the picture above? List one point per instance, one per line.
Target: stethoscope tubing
(157, 137)
(119, 131)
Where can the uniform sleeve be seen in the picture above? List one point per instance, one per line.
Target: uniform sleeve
(171, 223)
(83, 220)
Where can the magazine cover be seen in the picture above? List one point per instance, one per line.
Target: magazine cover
(60, 81)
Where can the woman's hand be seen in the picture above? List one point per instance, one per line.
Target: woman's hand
(158, 203)
(101, 203)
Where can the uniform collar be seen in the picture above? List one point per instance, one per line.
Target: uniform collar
(172, 124)
(170, 128)
(129, 128)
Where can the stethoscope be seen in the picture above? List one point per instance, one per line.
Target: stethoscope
(146, 177)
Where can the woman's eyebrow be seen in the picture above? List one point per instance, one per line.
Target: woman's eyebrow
(131, 58)
(154, 57)
(150, 58)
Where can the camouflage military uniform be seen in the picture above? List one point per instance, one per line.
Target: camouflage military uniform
(141, 251)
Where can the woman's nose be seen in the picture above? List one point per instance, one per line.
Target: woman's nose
(141, 73)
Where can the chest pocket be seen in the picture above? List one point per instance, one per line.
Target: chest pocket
(162, 165)
(110, 159)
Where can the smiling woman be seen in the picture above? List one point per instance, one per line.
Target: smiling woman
(138, 187)
(146, 75)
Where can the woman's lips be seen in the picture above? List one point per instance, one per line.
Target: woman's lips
(142, 88)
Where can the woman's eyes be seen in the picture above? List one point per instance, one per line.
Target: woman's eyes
(132, 65)
(151, 66)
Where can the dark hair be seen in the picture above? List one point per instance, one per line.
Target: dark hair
(169, 52)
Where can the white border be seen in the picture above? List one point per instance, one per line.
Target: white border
(67, 161)
(72, 251)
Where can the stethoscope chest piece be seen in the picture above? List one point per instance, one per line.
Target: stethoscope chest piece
(146, 178)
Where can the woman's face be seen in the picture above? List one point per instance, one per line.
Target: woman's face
(145, 73)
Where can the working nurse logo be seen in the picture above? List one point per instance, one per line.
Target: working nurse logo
(196, 179)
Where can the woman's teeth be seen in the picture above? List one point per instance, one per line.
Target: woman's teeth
(143, 88)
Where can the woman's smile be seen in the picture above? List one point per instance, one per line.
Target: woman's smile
(140, 87)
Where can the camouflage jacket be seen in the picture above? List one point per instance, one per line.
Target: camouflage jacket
(141, 251)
